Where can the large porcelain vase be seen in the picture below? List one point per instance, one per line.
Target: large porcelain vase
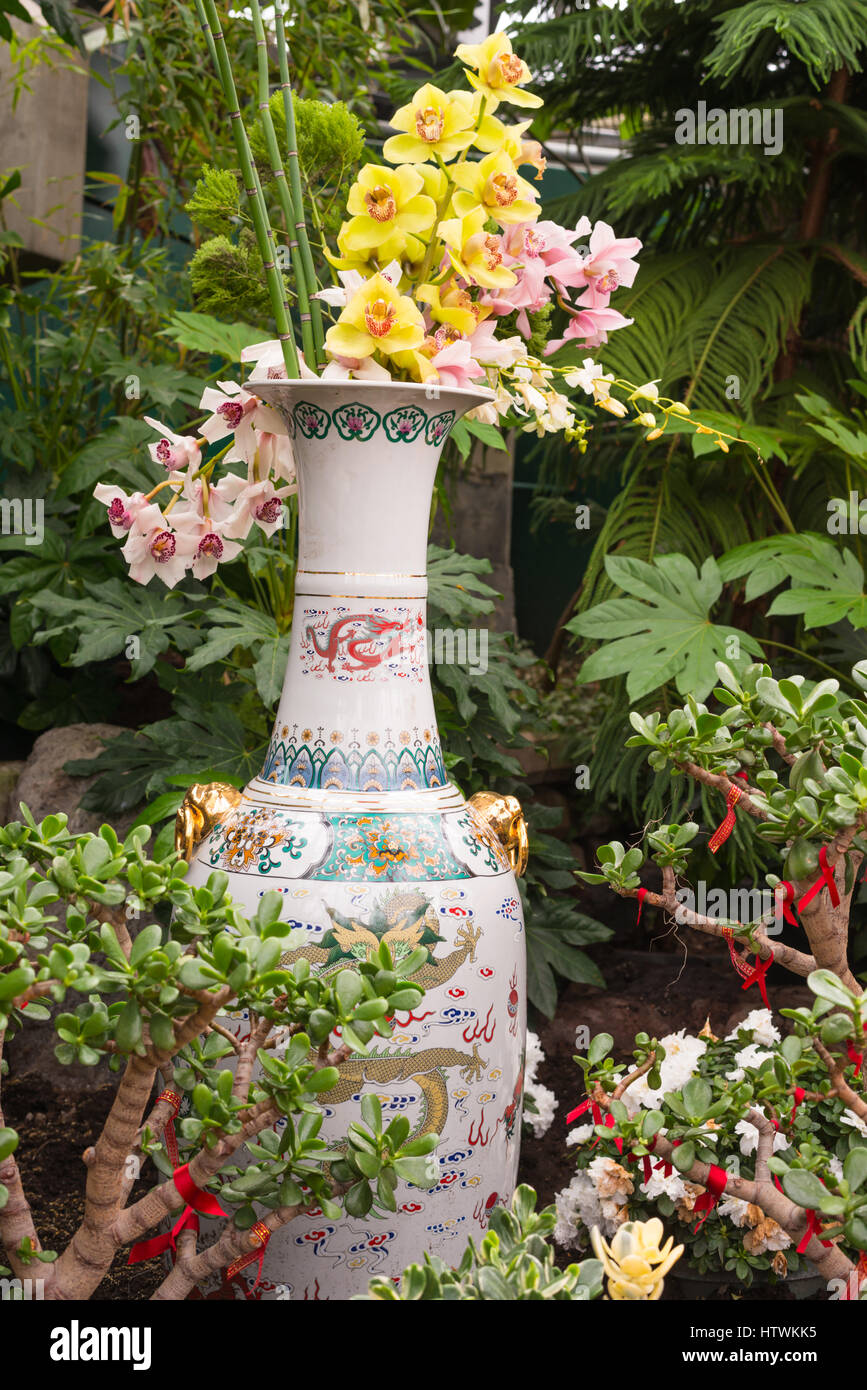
(353, 819)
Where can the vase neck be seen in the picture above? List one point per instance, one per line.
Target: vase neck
(356, 713)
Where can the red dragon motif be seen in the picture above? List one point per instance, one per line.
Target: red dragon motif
(359, 643)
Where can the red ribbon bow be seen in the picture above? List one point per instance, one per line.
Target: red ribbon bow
(595, 1111)
(725, 828)
(146, 1249)
(753, 976)
(196, 1197)
(667, 1168)
(855, 1057)
(825, 879)
(716, 1186)
(585, 1105)
(263, 1235)
(813, 1229)
(641, 894)
(757, 976)
(799, 1099)
(788, 891)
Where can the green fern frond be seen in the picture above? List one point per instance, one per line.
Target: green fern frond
(824, 35)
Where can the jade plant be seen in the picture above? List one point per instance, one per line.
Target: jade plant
(753, 1146)
(790, 758)
(513, 1262)
(147, 1004)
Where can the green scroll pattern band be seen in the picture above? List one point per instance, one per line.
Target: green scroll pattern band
(357, 421)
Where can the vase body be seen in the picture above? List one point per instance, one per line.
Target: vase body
(353, 820)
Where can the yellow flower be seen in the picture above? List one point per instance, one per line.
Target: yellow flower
(399, 247)
(417, 361)
(384, 201)
(452, 305)
(475, 254)
(498, 72)
(494, 184)
(634, 1264)
(377, 319)
(433, 123)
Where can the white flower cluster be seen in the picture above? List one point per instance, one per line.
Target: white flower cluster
(596, 1196)
(543, 1098)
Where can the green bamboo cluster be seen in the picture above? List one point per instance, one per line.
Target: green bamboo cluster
(289, 192)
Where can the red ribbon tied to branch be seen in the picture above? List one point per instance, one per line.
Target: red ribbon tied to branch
(169, 1135)
(813, 1229)
(585, 1105)
(825, 879)
(196, 1197)
(725, 828)
(716, 1186)
(799, 1094)
(263, 1235)
(595, 1111)
(855, 1057)
(146, 1249)
(788, 891)
(753, 976)
(641, 894)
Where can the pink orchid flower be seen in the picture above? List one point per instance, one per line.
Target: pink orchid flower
(607, 265)
(236, 411)
(122, 509)
(174, 451)
(491, 351)
(455, 364)
(592, 326)
(211, 545)
(258, 503)
(160, 551)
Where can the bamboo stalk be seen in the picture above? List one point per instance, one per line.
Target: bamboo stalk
(295, 179)
(207, 11)
(287, 205)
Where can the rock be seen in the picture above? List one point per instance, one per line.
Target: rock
(46, 789)
(9, 774)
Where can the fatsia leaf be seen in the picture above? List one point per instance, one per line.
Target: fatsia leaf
(115, 613)
(663, 632)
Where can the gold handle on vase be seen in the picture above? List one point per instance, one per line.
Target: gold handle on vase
(202, 806)
(505, 819)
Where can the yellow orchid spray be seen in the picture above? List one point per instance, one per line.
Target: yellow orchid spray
(494, 184)
(475, 253)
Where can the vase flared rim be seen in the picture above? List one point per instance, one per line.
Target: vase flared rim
(481, 394)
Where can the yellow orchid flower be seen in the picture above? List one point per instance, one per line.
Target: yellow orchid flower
(400, 246)
(432, 123)
(417, 361)
(491, 134)
(634, 1264)
(383, 201)
(378, 318)
(498, 72)
(435, 181)
(475, 254)
(494, 184)
(452, 305)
